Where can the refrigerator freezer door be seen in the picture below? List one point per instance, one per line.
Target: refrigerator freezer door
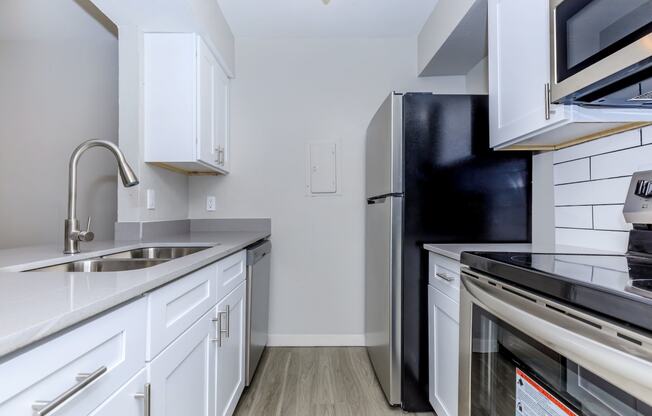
(383, 293)
(385, 149)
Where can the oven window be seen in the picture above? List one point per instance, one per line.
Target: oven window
(590, 30)
(512, 374)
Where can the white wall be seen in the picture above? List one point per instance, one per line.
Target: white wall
(289, 92)
(59, 87)
(591, 182)
(477, 79)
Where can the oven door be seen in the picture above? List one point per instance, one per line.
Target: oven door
(597, 43)
(524, 355)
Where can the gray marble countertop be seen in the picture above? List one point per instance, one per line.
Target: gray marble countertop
(36, 305)
(454, 251)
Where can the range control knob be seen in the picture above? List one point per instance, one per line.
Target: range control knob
(643, 188)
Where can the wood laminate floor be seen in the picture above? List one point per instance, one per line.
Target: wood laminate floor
(315, 382)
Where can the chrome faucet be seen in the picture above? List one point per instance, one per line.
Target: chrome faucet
(72, 234)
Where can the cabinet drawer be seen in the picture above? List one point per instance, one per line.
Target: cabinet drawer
(231, 271)
(175, 307)
(444, 274)
(115, 341)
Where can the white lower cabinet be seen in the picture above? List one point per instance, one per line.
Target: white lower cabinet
(202, 372)
(128, 401)
(92, 361)
(443, 342)
(195, 362)
(231, 351)
(182, 377)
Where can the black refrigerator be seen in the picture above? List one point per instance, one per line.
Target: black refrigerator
(430, 178)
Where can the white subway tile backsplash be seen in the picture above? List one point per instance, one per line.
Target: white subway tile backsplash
(646, 134)
(591, 181)
(575, 171)
(574, 217)
(601, 240)
(609, 217)
(606, 191)
(622, 163)
(595, 147)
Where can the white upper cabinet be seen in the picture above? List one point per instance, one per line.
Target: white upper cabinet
(519, 69)
(186, 104)
(519, 77)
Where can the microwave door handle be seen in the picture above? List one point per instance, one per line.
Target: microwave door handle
(602, 354)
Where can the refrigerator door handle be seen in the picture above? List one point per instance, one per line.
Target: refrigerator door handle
(382, 198)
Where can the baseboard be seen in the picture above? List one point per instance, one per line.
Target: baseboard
(325, 340)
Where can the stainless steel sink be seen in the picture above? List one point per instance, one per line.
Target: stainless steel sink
(101, 265)
(139, 258)
(167, 253)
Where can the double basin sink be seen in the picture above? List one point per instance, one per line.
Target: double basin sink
(139, 258)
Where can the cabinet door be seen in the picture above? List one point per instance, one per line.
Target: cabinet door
(443, 333)
(222, 96)
(231, 353)
(128, 401)
(207, 68)
(519, 69)
(182, 377)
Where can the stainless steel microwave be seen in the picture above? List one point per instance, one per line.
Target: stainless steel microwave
(601, 52)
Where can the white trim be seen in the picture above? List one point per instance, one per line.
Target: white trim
(317, 340)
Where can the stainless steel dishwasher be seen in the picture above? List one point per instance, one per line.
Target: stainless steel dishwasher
(258, 272)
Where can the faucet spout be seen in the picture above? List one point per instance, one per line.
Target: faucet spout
(72, 235)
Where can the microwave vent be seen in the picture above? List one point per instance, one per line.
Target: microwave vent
(643, 97)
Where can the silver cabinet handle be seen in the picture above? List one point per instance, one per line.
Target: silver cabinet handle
(220, 330)
(42, 408)
(445, 276)
(547, 98)
(228, 321)
(218, 158)
(147, 399)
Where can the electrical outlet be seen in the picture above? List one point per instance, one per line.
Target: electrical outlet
(210, 203)
(151, 199)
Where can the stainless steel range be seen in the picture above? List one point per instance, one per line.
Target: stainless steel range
(560, 334)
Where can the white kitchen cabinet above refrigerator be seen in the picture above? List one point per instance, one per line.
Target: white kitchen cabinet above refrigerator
(186, 105)
(521, 114)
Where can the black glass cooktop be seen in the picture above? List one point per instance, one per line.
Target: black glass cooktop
(616, 286)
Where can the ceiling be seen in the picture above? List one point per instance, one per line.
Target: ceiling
(338, 18)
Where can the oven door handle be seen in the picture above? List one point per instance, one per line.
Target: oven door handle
(617, 360)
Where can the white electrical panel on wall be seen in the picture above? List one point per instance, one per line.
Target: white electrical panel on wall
(321, 175)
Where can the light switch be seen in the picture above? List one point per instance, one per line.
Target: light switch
(151, 199)
(322, 168)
